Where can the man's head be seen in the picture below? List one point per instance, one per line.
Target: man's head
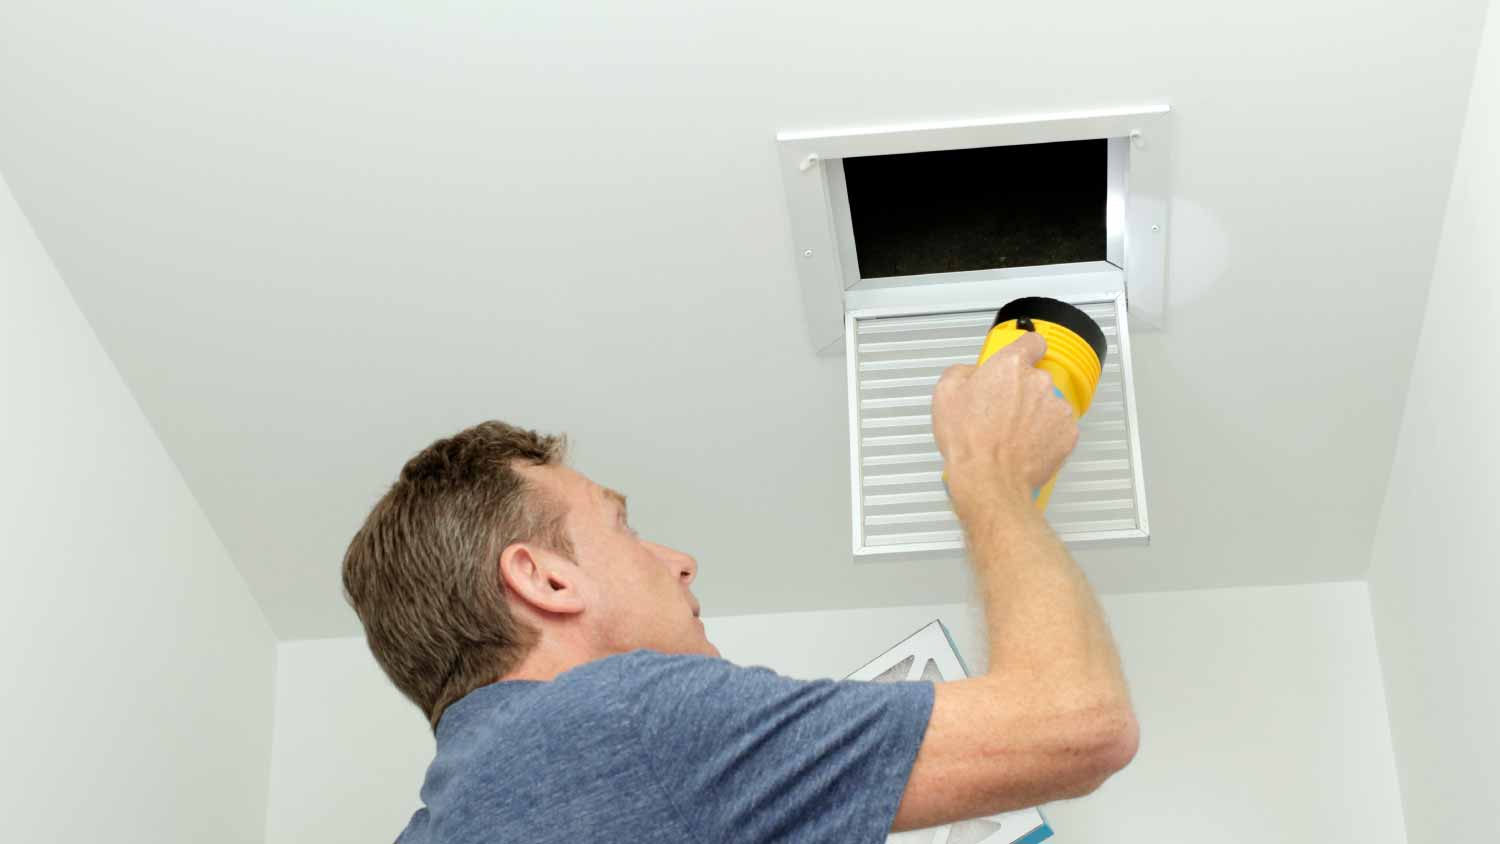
(488, 549)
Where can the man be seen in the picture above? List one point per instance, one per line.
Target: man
(575, 697)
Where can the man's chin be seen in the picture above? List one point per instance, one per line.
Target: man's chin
(706, 648)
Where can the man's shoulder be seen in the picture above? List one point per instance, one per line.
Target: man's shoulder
(608, 681)
(618, 692)
(649, 660)
(640, 679)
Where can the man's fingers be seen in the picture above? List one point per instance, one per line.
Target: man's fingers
(1029, 348)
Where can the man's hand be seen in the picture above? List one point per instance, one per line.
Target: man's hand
(1001, 427)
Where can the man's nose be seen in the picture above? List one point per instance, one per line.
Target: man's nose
(682, 563)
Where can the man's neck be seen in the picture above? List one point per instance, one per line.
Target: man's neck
(548, 660)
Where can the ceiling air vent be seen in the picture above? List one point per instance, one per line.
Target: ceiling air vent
(909, 238)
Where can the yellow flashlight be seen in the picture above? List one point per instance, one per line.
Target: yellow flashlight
(1075, 352)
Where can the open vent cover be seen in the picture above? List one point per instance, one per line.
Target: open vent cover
(899, 504)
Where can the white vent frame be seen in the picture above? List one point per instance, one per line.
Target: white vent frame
(1100, 286)
(822, 234)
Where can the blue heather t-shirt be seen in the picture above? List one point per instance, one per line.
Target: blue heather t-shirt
(650, 747)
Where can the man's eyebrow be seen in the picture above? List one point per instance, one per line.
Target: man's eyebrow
(617, 497)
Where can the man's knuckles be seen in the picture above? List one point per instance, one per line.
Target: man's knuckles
(953, 376)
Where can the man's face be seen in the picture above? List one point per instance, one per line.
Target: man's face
(637, 592)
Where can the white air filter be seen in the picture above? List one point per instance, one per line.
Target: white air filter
(899, 504)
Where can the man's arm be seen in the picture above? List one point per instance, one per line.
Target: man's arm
(1051, 719)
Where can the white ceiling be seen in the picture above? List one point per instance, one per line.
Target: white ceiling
(315, 240)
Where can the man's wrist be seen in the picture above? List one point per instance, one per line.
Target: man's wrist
(979, 492)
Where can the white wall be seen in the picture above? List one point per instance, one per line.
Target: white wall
(1434, 577)
(349, 752)
(137, 667)
(1262, 711)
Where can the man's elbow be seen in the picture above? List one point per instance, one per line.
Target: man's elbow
(1113, 739)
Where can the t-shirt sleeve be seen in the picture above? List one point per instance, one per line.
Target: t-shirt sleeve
(746, 755)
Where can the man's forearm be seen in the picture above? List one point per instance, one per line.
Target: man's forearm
(1045, 625)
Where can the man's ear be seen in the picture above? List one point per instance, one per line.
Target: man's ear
(541, 578)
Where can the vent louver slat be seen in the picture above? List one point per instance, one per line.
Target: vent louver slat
(900, 503)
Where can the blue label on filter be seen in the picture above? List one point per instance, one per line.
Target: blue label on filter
(1041, 833)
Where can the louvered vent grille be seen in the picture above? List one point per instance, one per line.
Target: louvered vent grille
(900, 504)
